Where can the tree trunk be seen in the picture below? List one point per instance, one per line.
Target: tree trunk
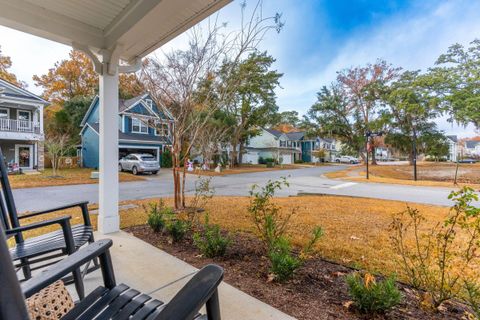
(176, 175)
(240, 153)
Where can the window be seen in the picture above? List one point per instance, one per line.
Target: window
(24, 119)
(138, 126)
(149, 103)
(4, 113)
(161, 129)
(283, 143)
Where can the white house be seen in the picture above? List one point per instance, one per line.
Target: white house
(21, 126)
(472, 148)
(272, 144)
(452, 148)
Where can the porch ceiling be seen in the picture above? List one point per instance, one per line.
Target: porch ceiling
(138, 26)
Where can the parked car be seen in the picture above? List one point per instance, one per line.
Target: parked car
(138, 163)
(467, 160)
(347, 159)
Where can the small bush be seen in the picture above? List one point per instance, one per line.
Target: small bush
(473, 297)
(439, 259)
(372, 296)
(157, 213)
(272, 227)
(177, 229)
(283, 262)
(210, 240)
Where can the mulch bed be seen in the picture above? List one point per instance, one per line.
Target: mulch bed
(317, 291)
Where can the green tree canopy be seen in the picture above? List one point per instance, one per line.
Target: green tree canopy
(456, 79)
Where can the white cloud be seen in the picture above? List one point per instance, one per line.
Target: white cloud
(412, 41)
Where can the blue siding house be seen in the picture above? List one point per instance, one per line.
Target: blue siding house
(135, 135)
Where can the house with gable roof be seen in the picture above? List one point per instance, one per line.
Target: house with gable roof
(21, 126)
(135, 136)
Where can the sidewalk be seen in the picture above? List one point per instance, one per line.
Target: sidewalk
(146, 268)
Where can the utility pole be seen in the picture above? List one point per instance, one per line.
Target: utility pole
(414, 142)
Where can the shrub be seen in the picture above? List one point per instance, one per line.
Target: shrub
(272, 227)
(439, 259)
(166, 159)
(210, 240)
(372, 296)
(473, 297)
(177, 228)
(283, 262)
(157, 213)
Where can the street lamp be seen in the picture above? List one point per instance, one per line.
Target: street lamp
(368, 135)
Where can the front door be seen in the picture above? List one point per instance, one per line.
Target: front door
(24, 156)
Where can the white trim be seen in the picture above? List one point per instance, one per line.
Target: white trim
(85, 126)
(17, 154)
(23, 91)
(89, 110)
(141, 147)
(123, 123)
(143, 141)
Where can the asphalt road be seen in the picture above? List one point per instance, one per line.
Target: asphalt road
(305, 180)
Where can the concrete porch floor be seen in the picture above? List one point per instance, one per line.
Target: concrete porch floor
(146, 268)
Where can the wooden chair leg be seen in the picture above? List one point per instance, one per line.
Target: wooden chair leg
(213, 307)
(79, 286)
(27, 272)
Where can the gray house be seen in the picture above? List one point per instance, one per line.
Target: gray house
(21, 126)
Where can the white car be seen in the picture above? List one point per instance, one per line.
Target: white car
(139, 162)
(347, 159)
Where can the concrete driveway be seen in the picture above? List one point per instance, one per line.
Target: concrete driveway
(305, 180)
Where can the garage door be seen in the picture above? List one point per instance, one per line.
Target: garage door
(122, 152)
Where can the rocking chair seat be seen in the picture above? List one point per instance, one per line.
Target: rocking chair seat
(50, 242)
(120, 303)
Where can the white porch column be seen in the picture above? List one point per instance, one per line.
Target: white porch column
(108, 219)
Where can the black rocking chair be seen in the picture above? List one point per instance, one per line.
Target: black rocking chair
(110, 301)
(41, 251)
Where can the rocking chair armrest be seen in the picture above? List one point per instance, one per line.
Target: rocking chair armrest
(74, 261)
(83, 205)
(64, 222)
(200, 290)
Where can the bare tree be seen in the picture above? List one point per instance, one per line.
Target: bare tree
(56, 147)
(183, 82)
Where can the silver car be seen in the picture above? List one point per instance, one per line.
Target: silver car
(138, 163)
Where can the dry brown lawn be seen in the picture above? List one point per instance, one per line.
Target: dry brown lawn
(429, 174)
(66, 177)
(246, 169)
(356, 229)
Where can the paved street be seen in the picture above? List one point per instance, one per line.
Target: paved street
(306, 180)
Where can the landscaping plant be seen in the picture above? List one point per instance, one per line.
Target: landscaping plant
(473, 297)
(272, 226)
(156, 215)
(441, 257)
(372, 296)
(177, 228)
(210, 240)
(204, 191)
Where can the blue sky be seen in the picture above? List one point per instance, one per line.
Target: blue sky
(320, 37)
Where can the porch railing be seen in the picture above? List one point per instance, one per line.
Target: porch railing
(19, 126)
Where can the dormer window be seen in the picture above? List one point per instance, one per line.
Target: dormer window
(149, 103)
